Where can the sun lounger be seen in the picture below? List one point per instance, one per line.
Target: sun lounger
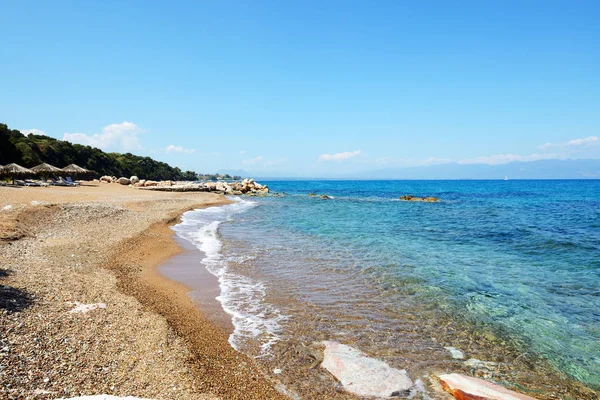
(31, 183)
(66, 182)
(71, 181)
(56, 182)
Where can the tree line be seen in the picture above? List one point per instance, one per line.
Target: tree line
(31, 150)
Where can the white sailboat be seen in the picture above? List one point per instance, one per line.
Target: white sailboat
(505, 178)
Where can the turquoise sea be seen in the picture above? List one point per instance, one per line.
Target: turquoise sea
(516, 263)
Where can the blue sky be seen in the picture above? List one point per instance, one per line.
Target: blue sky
(307, 88)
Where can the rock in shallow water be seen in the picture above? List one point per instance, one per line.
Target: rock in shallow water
(362, 375)
(465, 387)
(455, 353)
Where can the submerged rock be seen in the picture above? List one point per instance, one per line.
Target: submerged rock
(465, 387)
(424, 199)
(362, 375)
(455, 353)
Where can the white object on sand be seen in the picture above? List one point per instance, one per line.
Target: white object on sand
(7, 207)
(362, 375)
(455, 353)
(83, 308)
(467, 387)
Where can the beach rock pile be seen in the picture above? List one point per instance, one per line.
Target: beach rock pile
(423, 199)
(108, 179)
(247, 186)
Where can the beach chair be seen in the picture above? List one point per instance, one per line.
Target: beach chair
(71, 181)
(31, 183)
(65, 182)
(56, 183)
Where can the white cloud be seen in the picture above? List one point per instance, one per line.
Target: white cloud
(252, 161)
(243, 151)
(216, 154)
(178, 149)
(339, 156)
(122, 136)
(582, 142)
(506, 158)
(34, 131)
(571, 143)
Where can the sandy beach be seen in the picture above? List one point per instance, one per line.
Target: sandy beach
(84, 310)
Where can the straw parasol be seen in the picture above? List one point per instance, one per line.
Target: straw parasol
(14, 170)
(76, 170)
(46, 169)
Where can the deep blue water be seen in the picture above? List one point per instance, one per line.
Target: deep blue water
(520, 256)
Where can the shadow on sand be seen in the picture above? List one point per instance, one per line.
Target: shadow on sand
(13, 299)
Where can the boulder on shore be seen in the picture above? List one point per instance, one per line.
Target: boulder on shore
(134, 179)
(362, 375)
(123, 181)
(465, 387)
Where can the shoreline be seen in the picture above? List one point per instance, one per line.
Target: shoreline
(202, 287)
(213, 357)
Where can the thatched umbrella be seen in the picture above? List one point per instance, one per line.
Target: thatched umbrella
(74, 169)
(46, 170)
(14, 170)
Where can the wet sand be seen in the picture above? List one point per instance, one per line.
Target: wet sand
(187, 269)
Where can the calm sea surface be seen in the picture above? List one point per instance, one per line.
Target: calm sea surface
(496, 269)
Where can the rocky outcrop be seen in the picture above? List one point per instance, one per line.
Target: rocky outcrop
(247, 186)
(362, 375)
(424, 199)
(321, 196)
(123, 181)
(465, 387)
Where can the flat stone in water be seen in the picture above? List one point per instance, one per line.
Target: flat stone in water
(468, 388)
(362, 375)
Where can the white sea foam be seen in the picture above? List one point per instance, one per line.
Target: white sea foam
(242, 297)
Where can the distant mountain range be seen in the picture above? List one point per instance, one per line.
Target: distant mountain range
(542, 169)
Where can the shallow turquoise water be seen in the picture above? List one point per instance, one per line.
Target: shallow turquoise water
(521, 256)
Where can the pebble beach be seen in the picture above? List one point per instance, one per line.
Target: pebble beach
(84, 312)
